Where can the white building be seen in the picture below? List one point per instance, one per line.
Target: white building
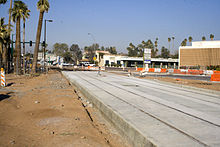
(104, 58)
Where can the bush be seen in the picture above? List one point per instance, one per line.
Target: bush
(211, 67)
(113, 65)
(118, 65)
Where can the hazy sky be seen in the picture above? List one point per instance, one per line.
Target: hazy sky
(119, 22)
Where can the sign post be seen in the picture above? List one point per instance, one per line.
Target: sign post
(94, 58)
(147, 57)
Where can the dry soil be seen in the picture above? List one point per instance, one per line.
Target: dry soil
(45, 111)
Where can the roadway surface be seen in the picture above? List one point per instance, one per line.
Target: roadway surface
(162, 115)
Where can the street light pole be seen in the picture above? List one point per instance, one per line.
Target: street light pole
(44, 45)
(94, 41)
(92, 37)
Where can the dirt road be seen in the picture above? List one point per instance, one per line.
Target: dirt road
(45, 111)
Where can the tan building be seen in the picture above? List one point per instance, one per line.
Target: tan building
(201, 53)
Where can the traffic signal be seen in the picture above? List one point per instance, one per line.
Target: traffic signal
(30, 43)
(43, 44)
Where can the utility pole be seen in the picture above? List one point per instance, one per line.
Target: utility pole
(44, 43)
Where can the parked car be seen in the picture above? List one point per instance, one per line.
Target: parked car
(67, 64)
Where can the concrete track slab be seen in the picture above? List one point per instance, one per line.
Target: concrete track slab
(150, 113)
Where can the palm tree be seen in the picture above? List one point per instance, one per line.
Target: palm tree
(9, 20)
(42, 5)
(3, 33)
(185, 40)
(9, 28)
(203, 38)
(211, 36)
(156, 49)
(3, 1)
(183, 43)
(4, 39)
(25, 16)
(173, 41)
(8, 33)
(17, 13)
(169, 39)
(190, 39)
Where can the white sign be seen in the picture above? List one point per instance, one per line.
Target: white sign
(147, 56)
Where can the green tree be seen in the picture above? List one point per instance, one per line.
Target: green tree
(90, 51)
(149, 44)
(42, 6)
(140, 50)
(203, 38)
(156, 49)
(17, 14)
(60, 48)
(67, 57)
(9, 31)
(132, 50)
(25, 16)
(183, 43)
(4, 39)
(176, 55)
(190, 39)
(102, 48)
(76, 53)
(165, 53)
(211, 36)
(169, 40)
(3, 1)
(185, 40)
(112, 50)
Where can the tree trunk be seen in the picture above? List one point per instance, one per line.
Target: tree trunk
(9, 57)
(23, 46)
(17, 53)
(36, 49)
(9, 20)
(5, 53)
(1, 51)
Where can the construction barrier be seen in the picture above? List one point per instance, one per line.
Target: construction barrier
(2, 77)
(163, 70)
(195, 72)
(140, 69)
(216, 72)
(183, 71)
(215, 77)
(94, 68)
(208, 72)
(176, 71)
(151, 70)
(157, 69)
